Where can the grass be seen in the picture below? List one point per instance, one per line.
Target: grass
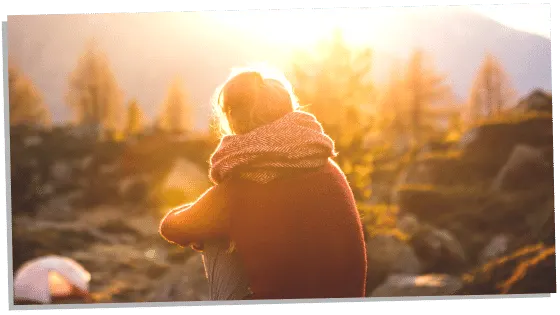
(521, 270)
(435, 156)
(537, 253)
(473, 190)
(513, 119)
(381, 220)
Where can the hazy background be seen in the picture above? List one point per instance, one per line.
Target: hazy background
(147, 50)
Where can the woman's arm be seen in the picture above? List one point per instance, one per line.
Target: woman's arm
(193, 223)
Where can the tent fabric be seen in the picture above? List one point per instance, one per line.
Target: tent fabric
(51, 276)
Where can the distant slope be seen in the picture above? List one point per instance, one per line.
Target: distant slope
(458, 39)
(147, 53)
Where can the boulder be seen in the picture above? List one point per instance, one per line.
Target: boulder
(61, 171)
(495, 248)
(437, 204)
(134, 189)
(440, 168)
(486, 147)
(408, 224)
(438, 250)
(538, 100)
(398, 285)
(525, 168)
(387, 255)
(32, 141)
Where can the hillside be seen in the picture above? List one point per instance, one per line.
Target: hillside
(147, 50)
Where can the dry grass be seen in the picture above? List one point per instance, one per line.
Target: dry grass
(444, 190)
(539, 253)
(381, 220)
(513, 118)
(446, 155)
(523, 267)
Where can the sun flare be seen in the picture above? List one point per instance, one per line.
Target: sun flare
(305, 27)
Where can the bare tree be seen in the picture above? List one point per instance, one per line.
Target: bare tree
(25, 101)
(93, 92)
(176, 115)
(491, 91)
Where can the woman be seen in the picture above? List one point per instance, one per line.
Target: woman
(279, 198)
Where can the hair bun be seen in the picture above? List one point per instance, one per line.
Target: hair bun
(249, 100)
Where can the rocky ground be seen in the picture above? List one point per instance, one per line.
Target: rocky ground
(102, 207)
(471, 217)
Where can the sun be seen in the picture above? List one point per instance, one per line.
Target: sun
(304, 27)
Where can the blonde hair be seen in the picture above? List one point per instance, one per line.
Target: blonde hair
(252, 97)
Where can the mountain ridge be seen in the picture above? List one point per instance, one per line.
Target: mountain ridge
(147, 54)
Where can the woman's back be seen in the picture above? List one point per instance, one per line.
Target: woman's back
(278, 196)
(299, 236)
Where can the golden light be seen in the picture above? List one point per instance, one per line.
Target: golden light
(301, 27)
(58, 285)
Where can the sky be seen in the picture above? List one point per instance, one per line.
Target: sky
(275, 38)
(531, 18)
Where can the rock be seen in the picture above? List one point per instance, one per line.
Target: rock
(32, 141)
(436, 204)
(496, 248)
(416, 173)
(438, 250)
(541, 222)
(108, 169)
(60, 171)
(33, 163)
(434, 146)
(45, 190)
(86, 162)
(119, 228)
(408, 224)
(57, 208)
(388, 255)
(445, 169)
(183, 283)
(486, 147)
(525, 168)
(382, 179)
(538, 100)
(134, 189)
(413, 285)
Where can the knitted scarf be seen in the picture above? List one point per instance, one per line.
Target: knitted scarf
(295, 141)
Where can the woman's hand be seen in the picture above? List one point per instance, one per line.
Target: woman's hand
(163, 227)
(192, 224)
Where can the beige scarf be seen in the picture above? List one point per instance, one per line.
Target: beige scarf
(295, 141)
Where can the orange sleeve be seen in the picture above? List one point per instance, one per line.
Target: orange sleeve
(204, 219)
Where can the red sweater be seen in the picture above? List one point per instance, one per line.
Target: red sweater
(297, 237)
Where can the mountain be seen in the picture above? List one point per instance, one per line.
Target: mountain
(458, 39)
(147, 50)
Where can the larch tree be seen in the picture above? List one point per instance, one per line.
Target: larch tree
(391, 118)
(93, 92)
(135, 118)
(491, 91)
(424, 87)
(25, 100)
(176, 114)
(334, 83)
